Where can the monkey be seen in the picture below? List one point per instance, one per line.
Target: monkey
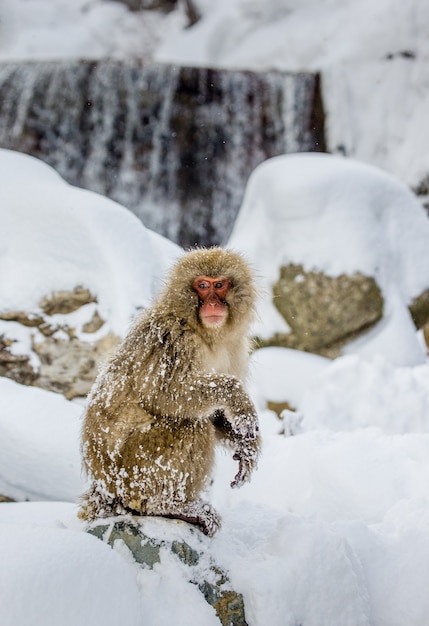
(171, 393)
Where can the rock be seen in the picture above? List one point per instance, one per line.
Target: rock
(426, 335)
(67, 364)
(26, 319)
(66, 301)
(5, 499)
(94, 324)
(150, 5)
(324, 312)
(70, 366)
(279, 407)
(419, 309)
(15, 366)
(142, 536)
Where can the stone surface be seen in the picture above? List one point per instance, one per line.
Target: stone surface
(16, 367)
(426, 335)
(201, 571)
(66, 301)
(5, 499)
(26, 319)
(150, 5)
(419, 309)
(324, 312)
(279, 407)
(67, 364)
(70, 366)
(94, 324)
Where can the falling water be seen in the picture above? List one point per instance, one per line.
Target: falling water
(174, 145)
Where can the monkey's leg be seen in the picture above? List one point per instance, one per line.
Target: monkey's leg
(96, 503)
(200, 513)
(168, 466)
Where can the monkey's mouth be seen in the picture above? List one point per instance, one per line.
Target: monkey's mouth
(214, 319)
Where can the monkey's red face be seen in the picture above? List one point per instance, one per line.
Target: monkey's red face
(212, 292)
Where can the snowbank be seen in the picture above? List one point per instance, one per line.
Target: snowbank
(372, 57)
(40, 451)
(336, 215)
(56, 237)
(57, 576)
(297, 35)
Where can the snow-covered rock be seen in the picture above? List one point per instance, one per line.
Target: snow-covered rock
(338, 216)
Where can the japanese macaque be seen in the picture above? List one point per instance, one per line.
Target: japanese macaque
(170, 393)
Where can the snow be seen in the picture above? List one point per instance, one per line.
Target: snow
(338, 216)
(53, 577)
(41, 29)
(334, 527)
(40, 456)
(372, 57)
(52, 240)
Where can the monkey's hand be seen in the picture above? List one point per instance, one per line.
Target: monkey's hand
(247, 457)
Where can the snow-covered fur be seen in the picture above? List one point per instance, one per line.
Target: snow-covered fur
(173, 385)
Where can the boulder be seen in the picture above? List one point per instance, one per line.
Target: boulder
(64, 302)
(70, 366)
(324, 312)
(147, 538)
(419, 309)
(15, 366)
(64, 357)
(5, 499)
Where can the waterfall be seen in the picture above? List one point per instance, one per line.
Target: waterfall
(175, 145)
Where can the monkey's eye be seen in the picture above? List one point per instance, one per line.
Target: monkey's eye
(219, 285)
(203, 286)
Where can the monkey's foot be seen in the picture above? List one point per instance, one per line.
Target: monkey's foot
(200, 513)
(96, 504)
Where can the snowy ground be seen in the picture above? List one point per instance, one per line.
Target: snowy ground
(334, 527)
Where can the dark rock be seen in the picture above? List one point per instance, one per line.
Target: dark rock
(150, 5)
(146, 550)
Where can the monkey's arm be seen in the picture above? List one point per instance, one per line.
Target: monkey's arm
(235, 419)
(171, 386)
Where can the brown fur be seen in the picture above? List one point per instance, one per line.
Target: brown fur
(173, 385)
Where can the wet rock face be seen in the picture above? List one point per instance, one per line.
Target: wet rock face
(192, 556)
(325, 312)
(175, 145)
(60, 359)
